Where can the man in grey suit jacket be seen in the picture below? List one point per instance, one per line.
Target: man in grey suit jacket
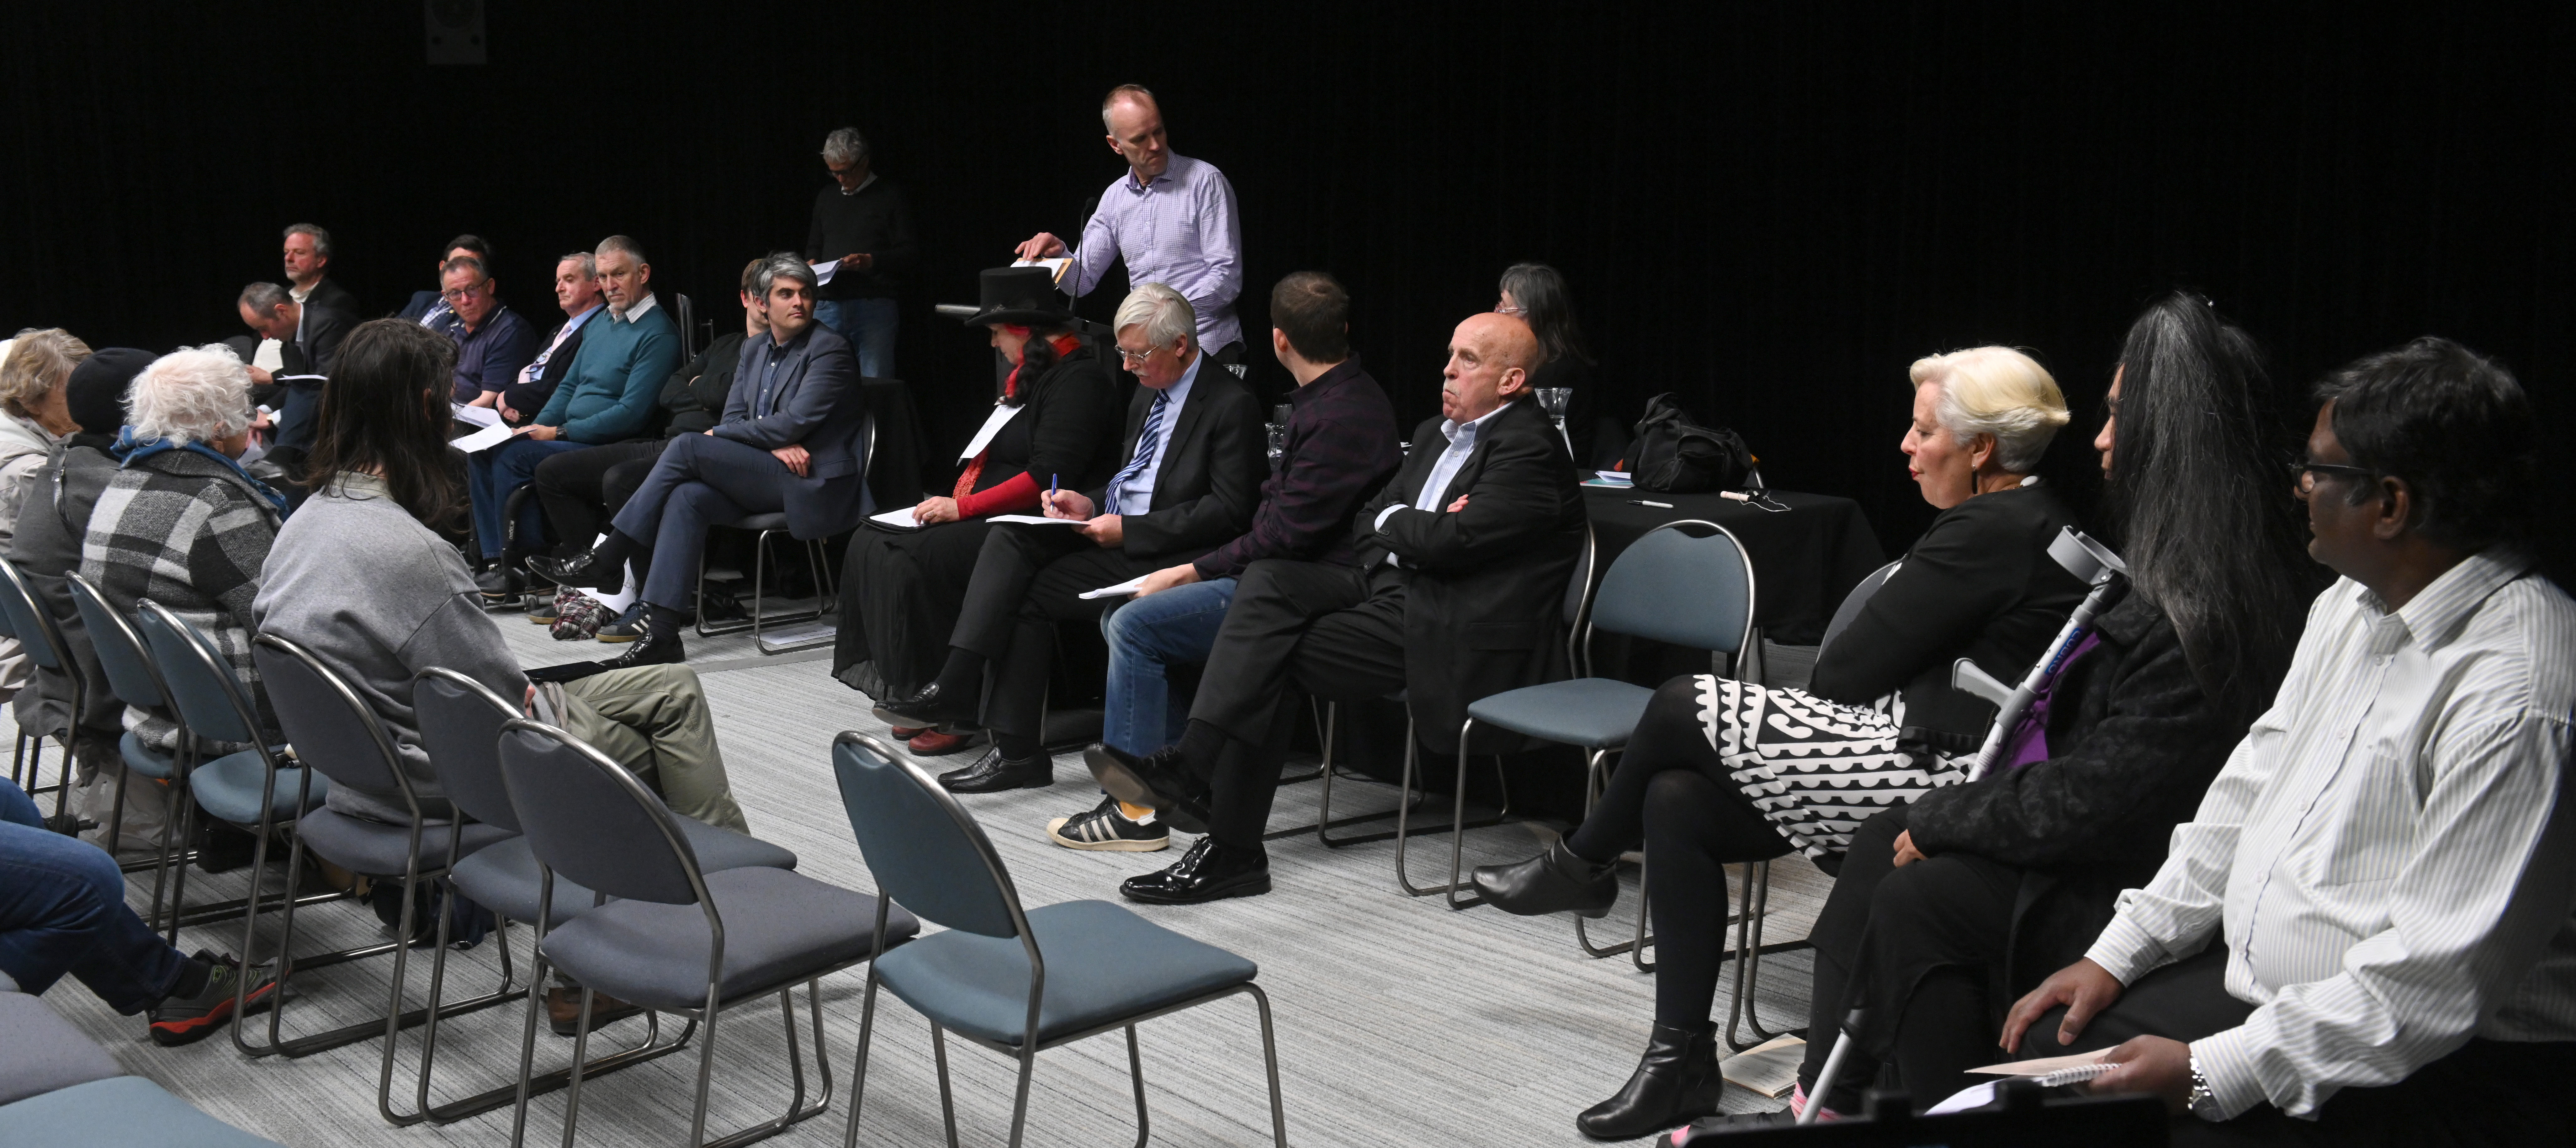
(791, 440)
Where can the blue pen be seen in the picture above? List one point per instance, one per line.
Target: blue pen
(1051, 491)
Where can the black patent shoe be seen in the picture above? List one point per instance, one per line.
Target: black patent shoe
(1160, 781)
(929, 708)
(582, 571)
(1551, 882)
(993, 773)
(1676, 1082)
(1208, 872)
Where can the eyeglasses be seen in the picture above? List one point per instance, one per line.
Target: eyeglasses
(2304, 472)
(1132, 358)
(461, 294)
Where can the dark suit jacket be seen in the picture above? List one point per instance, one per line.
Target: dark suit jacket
(816, 404)
(1484, 597)
(329, 293)
(530, 397)
(1211, 477)
(314, 351)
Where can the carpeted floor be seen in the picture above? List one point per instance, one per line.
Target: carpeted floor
(1399, 1020)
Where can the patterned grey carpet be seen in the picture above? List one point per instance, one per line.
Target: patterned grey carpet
(1398, 1019)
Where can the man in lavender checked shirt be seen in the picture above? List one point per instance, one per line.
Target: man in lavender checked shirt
(1172, 218)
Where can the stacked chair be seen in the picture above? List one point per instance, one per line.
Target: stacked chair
(24, 618)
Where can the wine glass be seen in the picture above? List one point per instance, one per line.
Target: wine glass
(1553, 401)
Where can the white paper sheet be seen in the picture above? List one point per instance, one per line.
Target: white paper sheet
(2042, 1066)
(1120, 590)
(824, 271)
(1035, 520)
(270, 356)
(899, 517)
(993, 424)
(479, 416)
(483, 440)
(1055, 266)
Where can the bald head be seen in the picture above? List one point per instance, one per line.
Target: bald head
(1490, 356)
(1135, 123)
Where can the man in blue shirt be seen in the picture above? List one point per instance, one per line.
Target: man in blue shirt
(492, 341)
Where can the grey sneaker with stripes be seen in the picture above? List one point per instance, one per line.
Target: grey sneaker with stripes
(1107, 829)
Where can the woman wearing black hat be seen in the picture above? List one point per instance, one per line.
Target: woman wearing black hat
(1055, 424)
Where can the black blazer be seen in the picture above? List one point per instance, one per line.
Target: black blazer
(1211, 477)
(817, 405)
(530, 397)
(1066, 432)
(329, 293)
(1484, 587)
(1979, 584)
(314, 351)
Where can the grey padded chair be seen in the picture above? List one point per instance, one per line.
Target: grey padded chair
(336, 734)
(132, 678)
(33, 626)
(1011, 980)
(1669, 586)
(677, 938)
(1849, 611)
(762, 526)
(460, 723)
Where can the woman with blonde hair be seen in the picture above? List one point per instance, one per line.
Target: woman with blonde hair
(1721, 771)
(33, 419)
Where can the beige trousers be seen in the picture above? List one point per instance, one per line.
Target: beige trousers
(654, 721)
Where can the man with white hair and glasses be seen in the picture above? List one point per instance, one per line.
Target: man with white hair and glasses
(1171, 218)
(860, 241)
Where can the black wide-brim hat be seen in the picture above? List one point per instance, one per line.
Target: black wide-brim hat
(1020, 296)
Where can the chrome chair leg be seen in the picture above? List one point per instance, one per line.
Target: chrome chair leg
(1755, 902)
(1270, 1065)
(1136, 1074)
(1330, 724)
(947, 1098)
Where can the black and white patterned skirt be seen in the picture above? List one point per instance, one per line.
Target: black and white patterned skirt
(1815, 768)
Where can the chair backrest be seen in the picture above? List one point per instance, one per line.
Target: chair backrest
(588, 819)
(1578, 601)
(119, 648)
(198, 681)
(1669, 586)
(925, 851)
(332, 729)
(29, 621)
(460, 726)
(1849, 611)
(686, 312)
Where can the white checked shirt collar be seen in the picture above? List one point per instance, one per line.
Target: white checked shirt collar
(635, 312)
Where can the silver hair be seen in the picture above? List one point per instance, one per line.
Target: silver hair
(846, 145)
(621, 243)
(466, 262)
(1165, 314)
(589, 263)
(781, 265)
(264, 298)
(321, 238)
(1124, 92)
(193, 394)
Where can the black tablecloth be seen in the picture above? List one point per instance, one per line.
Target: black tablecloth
(1804, 558)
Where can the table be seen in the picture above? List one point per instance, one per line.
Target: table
(1804, 558)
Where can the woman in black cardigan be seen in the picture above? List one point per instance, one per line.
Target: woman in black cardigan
(1724, 771)
(1952, 907)
(901, 590)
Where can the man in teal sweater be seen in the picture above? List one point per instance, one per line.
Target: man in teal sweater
(608, 396)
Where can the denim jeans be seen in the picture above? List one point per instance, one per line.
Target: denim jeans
(62, 910)
(493, 474)
(1145, 635)
(869, 325)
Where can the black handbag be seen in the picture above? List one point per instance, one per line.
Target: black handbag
(1672, 453)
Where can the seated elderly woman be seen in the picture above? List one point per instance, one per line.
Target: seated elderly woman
(182, 523)
(33, 369)
(1720, 770)
(1058, 425)
(1948, 909)
(362, 579)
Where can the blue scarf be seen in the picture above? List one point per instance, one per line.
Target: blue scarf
(130, 450)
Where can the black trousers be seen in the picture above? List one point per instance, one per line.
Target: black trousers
(1316, 629)
(1027, 579)
(2488, 1093)
(901, 593)
(582, 489)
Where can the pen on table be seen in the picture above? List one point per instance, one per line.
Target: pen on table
(1656, 505)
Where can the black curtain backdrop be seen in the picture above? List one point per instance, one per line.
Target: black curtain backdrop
(1769, 209)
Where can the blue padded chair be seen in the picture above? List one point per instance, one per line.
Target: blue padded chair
(336, 734)
(676, 938)
(118, 1112)
(1016, 982)
(132, 678)
(33, 625)
(460, 721)
(1669, 586)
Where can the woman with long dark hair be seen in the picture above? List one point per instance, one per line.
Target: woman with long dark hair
(901, 590)
(1537, 293)
(360, 577)
(1945, 911)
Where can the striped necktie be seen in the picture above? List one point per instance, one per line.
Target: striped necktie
(1147, 439)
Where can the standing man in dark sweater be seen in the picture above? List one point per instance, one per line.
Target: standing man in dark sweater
(861, 238)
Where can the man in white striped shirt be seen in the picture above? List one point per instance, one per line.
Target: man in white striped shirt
(2364, 935)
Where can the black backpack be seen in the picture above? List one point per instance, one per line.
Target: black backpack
(1672, 453)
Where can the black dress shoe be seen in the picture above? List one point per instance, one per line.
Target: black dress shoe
(1208, 872)
(930, 707)
(655, 650)
(1159, 780)
(1551, 882)
(581, 570)
(1675, 1083)
(993, 773)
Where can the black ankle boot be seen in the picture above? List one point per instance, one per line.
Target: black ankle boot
(1551, 882)
(1675, 1083)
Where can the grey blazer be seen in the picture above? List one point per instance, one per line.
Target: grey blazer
(817, 404)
